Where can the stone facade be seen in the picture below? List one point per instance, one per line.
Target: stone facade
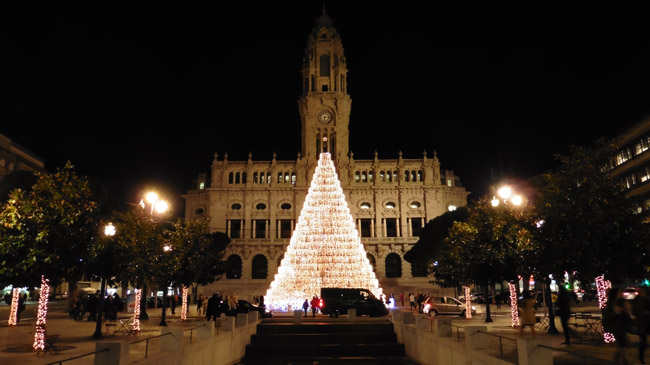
(258, 202)
(14, 157)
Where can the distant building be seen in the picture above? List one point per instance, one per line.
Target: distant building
(14, 157)
(631, 165)
(258, 202)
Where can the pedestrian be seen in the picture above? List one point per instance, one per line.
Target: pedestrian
(420, 299)
(401, 297)
(564, 309)
(527, 317)
(199, 304)
(21, 308)
(615, 322)
(261, 301)
(117, 302)
(412, 301)
(314, 306)
(76, 310)
(174, 300)
(93, 306)
(497, 298)
(641, 311)
(305, 306)
(212, 308)
(391, 300)
(205, 303)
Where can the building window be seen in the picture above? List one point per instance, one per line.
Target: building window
(255, 179)
(235, 228)
(324, 65)
(293, 178)
(279, 177)
(233, 267)
(419, 175)
(237, 178)
(324, 88)
(391, 227)
(285, 228)
(231, 178)
(318, 142)
(623, 156)
(395, 176)
(382, 176)
(645, 174)
(390, 205)
(201, 185)
(357, 176)
(407, 177)
(630, 181)
(370, 175)
(260, 267)
(260, 206)
(450, 182)
(641, 146)
(389, 175)
(235, 206)
(268, 178)
(260, 228)
(199, 211)
(393, 266)
(416, 227)
(285, 206)
(287, 178)
(365, 226)
(415, 205)
(364, 176)
(365, 205)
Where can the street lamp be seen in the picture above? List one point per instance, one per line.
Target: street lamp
(109, 231)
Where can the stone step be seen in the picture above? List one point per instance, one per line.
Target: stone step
(276, 351)
(333, 328)
(375, 360)
(324, 338)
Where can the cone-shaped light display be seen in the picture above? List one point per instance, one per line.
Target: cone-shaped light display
(325, 250)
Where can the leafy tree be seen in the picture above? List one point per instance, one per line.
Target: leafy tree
(488, 247)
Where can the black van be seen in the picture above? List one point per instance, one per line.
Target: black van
(338, 300)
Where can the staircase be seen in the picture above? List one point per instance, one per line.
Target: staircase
(325, 342)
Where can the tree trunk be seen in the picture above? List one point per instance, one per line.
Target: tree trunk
(488, 318)
(163, 322)
(100, 311)
(73, 293)
(551, 313)
(143, 303)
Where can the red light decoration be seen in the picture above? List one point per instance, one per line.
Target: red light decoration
(602, 286)
(41, 317)
(468, 303)
(184, 308)
(13, 315)
(514, 307)
(136, 310)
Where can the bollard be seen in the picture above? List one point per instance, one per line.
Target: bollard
(227, 323)
(441, 327)
(117, 354)
(408, 318)
(297, 316)
(352, 315)
(242, 319)
(529, 353)
(422, 322)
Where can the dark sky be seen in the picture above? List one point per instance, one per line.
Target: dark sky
(141, 100)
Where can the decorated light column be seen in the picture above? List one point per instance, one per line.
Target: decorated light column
(468, 302)
(325, 250)
(514, 307)
(41, 317)
(136, 310)
(13, 315)
(602, 286)
(184, 307)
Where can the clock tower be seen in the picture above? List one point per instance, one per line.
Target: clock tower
(324, 104)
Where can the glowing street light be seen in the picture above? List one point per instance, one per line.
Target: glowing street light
(505, 192)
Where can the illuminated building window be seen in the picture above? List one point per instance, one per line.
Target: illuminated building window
(357, 176)
(202, 186)
(382, 176)
(390, 205)
(623, 156)
(233, 267)
(641, 147)
(407, 176)
(450, 182)
(419, 175)
(395, 176)
(415, 205)
(287, 178)
(370, 176)
(279, 177)
(293, 178)
(255, 179)
(365, 205)
(630, 181)
(644, 175)
(389, 175)
(364, 176)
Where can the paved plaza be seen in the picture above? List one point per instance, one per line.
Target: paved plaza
(75, 336)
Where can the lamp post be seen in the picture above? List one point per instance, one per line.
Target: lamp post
(109, 231)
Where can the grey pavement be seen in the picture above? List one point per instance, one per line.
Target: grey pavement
(75, 336)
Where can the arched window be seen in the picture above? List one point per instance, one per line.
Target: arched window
(419, 269)
(373, 263)
(419, 175)
(293, 178)
(357, 176)
(324, 65)
(406, 176)
(237, 178)
(268, 178)
(395, 176)
(382, 176)
(393, 266)
(286, 178)
(243, 178)
(413, 178)
(370, 176)
(260, 267)
(233, 267)
(279, 177)
(389, 175)
(333, 145)
(255, 178)
(231, 178)
(364, 176)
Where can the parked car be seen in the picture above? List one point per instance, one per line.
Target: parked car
(338, 300)
(245, 307)
(630, 293)
(445, 305)
(473, 297)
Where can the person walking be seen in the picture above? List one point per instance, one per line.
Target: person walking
(211, 310)
(305, 307)
(21, 307)
(92, 307)
(564, 309)
(401, 297)
(199, 304)
(174, 299)
(615, 322)
(497, 299)
(641, 312)
(261, 299)
(314, 306)
(527, 318)
(412, 301)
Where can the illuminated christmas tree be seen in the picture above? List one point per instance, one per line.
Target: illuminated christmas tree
(325, 250)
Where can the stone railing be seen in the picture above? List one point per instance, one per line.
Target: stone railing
(224, 343)
(432, 341)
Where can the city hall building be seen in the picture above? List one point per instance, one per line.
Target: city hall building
(257, 203)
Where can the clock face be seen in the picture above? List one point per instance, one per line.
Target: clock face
(325, 117)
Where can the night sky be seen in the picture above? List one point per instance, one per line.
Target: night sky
(139, 100)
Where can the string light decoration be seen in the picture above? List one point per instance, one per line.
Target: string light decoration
(325, 250)
(184, 307)
(602, 286)
(41, 317)
(514, 307)
(13, 315)
(468, 302)
(136, 310)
